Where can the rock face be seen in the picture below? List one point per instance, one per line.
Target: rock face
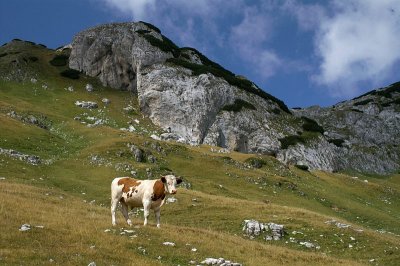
(193, 108)
(113, 53)
(361, 134)
(196, 101)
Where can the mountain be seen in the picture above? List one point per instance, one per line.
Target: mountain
(197, 101)
(64, 137)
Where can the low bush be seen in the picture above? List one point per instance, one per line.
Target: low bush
(165, 44)
(33, 58)
(291, 141)
(3, 54)
(302, 167)
(363, 102)
(337, 142)
(151, 26)
(238, 105)
(59, 60)
(311, 125)
(70, 73)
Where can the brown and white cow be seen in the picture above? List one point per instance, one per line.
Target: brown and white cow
(149, 194)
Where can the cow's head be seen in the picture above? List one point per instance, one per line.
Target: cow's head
(170, 182)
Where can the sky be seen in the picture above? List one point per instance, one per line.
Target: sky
(305, 52)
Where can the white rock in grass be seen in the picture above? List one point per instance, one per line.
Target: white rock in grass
(25, 227)
(89, 87)
(92, 263)
(106, 101)
(171, 200)
(169, 244)
(88, 104)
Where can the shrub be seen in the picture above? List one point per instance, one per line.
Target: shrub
(165, 44)
(356, 110)
(337, 142)
(59, 60)
(311, 125)
(276, 111)
(70, 73)
(33, 58)
(3, 54)
(143, 31)
(238, 105)
(302, 167)
(151, 26)
(363, 102)
(255, 162)
(291, 140)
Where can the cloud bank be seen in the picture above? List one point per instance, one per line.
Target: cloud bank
(360, 42)
(354, 42)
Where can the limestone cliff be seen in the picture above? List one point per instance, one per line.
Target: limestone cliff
(198, 101)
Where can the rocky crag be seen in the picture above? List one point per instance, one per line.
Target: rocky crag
(199, 102)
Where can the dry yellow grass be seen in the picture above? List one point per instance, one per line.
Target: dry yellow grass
(72, 227)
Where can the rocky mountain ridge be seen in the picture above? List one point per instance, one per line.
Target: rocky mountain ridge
(197, 101)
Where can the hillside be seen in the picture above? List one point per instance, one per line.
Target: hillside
(57, 161)
(197, 101)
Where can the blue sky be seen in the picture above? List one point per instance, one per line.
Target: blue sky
(305, 52)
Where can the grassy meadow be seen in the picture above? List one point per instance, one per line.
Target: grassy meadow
(66, 198)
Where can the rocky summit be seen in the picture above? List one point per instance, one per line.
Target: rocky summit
(199, 102)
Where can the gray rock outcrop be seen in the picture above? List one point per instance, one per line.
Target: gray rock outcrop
(196, 101)
(360, 134)
(114, 52)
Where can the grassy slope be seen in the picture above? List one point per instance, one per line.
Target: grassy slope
(226, 191)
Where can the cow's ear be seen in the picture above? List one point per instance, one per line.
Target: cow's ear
(178, 180)
(163, 179)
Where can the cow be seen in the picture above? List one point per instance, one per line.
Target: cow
(149, 194)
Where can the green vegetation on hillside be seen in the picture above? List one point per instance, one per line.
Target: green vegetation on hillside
(65, 199)
(238, 105)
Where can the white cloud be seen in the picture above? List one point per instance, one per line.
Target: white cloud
(249, 39)
(359, 43)
(138, 9)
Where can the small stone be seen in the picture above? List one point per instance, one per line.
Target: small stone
(92, 263)
(25, 227)
(106, 101)
(169, 244)
(107, 230)
(194, 249)
(89, 87)
(171, 200)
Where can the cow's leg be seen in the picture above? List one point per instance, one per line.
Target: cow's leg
(124, 210)
(146, 207)
(114, 204)
(157, 211)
